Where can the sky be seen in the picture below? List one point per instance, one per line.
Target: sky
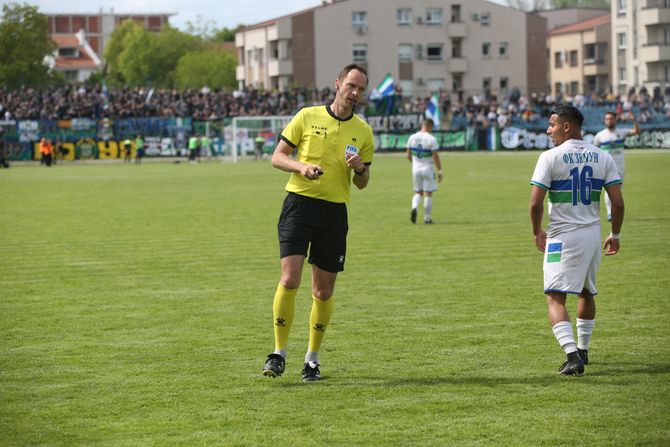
(217, 13)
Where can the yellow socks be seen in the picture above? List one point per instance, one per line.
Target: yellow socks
(318, 322)
(283, 309)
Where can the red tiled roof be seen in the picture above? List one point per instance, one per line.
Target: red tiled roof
(83, 61)
(584, 25)
(65, 40)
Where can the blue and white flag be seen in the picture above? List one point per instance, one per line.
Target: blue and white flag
(384, 89)
(433, 111)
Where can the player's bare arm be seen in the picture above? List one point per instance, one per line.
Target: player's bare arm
(536, 209)
(611, 244)
(438, 165)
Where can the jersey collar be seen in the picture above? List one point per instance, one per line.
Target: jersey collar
(330, 112)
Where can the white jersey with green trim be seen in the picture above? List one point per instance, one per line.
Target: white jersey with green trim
(612, 141)
(421, 145)
(574, 174)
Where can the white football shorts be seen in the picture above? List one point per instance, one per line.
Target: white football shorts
(424, 179)
(571, 261)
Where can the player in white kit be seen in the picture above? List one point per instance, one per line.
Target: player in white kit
(575, 174)
(422, 152)
(611, 140)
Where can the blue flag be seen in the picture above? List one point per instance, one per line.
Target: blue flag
(433, 110)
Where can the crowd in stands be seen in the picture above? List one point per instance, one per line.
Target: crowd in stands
(458, 110)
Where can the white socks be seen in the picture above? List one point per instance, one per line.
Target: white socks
(281, 352)
(416, 198)
(427, 207)
(563, 333)
(312, 357)
(584, 331)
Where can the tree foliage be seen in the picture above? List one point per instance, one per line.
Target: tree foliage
(137, 57)
(24, 45)
(213, 68)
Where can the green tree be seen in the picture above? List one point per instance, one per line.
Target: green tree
(226, 34)
(151, 58)
(213, 68)
(114, 49)
(24, 45)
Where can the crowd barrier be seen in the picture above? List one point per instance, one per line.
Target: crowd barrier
(88, 139)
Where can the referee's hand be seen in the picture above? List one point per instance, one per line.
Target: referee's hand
(311, 172)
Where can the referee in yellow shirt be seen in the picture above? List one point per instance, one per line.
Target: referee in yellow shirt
(333, 146)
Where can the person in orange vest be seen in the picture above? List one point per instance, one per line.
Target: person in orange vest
(46, 149)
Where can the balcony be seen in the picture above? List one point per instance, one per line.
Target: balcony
(654, 15)
(280, 67)
(457, 29)
(655, 52)
(458, 65)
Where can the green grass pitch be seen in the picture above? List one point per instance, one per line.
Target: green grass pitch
(135, 309)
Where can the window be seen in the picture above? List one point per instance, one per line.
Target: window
(590, 53)
(558, 60)
(486, 84)
(621, 41)
(455, 13)
(403, 16)
(67, 52)
(504, 83)
(573, 58)
(665, 39)
(434, 16)
(622, 7)
(622, 75)
(502, 49)
(405, 52)
(574, 88)
(457, 83)
(360, 53)
(558, 88)
(456, 50)
(485, 18)
(434, 51)
(359, 18)
(486, 49)
(71, 75)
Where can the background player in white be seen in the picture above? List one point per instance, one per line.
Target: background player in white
(611, 140)
(422, 152)
(574, 173)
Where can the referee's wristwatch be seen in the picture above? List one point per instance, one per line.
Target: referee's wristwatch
(359, 173)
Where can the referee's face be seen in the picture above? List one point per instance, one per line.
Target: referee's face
(351, 89)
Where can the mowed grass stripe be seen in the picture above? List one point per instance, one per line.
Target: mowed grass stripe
(136, 309)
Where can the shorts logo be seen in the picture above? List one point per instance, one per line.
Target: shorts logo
(554, 252)
(341, 260)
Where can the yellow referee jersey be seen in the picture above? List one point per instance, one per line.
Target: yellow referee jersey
(323, 139)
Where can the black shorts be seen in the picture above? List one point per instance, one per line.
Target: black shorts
(318, 224)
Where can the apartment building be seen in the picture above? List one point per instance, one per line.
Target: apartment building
(580, 57)
(640, 44)
(426, 45)
(98, 27)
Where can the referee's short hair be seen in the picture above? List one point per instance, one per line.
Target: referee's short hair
(345, 71)
(569, 113)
